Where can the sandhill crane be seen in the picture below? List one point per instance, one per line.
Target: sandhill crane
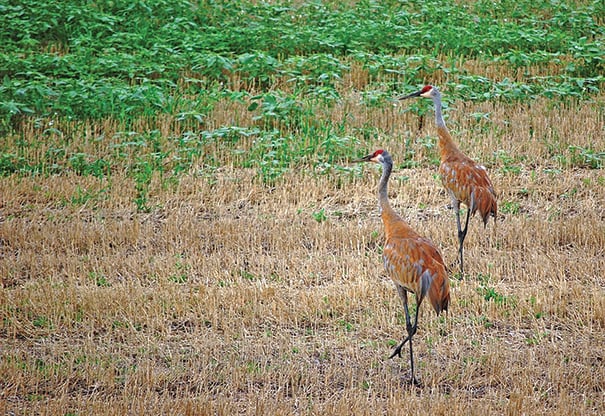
(464, 180)
(412, 262)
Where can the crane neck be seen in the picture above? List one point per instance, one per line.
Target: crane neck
(394, 225)
(387, 167)
(447, 147)
(438, 110)
(383, 197)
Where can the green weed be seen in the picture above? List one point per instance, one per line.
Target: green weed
(320, 216)
(509, 207)
(99, 279)
(586, 157)
(42, 322)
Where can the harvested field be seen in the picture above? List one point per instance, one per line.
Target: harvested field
(223, 256)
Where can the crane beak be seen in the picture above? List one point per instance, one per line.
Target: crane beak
(367, 158)
(414, 94)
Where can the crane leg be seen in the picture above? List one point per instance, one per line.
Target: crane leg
(411, 330)
(461, 234)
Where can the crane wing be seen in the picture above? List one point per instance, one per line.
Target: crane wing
(415, 264)
(469, 183)
(465, 175)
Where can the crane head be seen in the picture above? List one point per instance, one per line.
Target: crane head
(377, 157)
(428, 91)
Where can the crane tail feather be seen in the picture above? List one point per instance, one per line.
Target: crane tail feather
(485, 202)
(439, 293)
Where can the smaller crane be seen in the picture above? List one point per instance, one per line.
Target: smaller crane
(411, 261)
(465, 181)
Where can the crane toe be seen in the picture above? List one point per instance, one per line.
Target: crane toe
(397, 351)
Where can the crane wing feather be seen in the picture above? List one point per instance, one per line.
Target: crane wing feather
(469, 183)
(415, 264)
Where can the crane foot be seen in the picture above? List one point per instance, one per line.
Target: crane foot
(397, 351)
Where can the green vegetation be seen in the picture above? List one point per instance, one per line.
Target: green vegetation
(64, 64)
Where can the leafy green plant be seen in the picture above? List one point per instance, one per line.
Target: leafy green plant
(42, 322)
(82, 195)
(278, 110)
(12, 163)
(213, 66)
(182, 269)
(510, 164)
(587, 157)
(320, 216)
(99, 279)
(143, 173)
(489, 293)
(81, 164)
(258, 69)
(509, 207)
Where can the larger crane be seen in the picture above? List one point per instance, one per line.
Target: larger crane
(465, 181)
(412, 261)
